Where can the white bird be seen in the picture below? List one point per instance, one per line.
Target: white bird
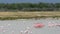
(58, 25)
(21, 32)
(26, 31)
(51, 24)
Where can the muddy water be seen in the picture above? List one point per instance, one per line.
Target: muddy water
(15, 26)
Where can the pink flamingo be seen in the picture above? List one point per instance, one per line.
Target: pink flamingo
(38, 25)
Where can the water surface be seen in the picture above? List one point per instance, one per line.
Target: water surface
(15, 26)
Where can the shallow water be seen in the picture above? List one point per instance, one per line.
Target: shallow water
(15, 26)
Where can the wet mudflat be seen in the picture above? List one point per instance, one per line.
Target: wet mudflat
(21, 25)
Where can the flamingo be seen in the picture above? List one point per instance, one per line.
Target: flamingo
(38, 25)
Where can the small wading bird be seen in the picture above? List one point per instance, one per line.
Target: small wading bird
(26, 31)
(21, 32)
(58, 25)
(53, 24)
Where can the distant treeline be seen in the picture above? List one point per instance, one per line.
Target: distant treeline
(31, 6)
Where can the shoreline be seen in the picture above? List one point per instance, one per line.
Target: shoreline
(14, 18)
(28, 15)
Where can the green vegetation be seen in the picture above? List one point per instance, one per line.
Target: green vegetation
(30, 6)
(29, 10)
